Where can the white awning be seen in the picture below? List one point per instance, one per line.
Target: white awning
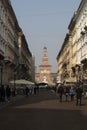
(22, 81)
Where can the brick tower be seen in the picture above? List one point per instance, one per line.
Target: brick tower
(45, 68)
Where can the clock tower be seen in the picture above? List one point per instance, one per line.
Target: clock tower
(45, 68)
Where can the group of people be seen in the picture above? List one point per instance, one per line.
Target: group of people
(30, 91)
(5, 93)
(70, 93)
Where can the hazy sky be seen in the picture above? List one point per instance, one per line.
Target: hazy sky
(45, 23)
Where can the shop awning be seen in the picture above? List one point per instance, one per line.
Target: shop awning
(22, 81)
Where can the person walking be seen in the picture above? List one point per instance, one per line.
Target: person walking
(79, 92)
(27, 91)
(72, 93)
(2, 93)
(67, 93)
(60, 92)
(8, 93)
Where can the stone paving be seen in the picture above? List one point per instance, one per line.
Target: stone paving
(55, 102)
(43, 111)
(12, 100)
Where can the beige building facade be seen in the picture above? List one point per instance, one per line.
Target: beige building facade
(15, 56)
(75, 48)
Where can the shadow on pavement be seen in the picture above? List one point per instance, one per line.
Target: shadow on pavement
(43, 119)
(43, 112)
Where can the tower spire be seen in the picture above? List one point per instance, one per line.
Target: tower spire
(45, 57)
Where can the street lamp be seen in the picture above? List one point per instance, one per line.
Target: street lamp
(14, 83)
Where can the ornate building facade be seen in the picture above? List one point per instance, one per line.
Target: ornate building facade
(45, 75)
(72, 58)
(15, 55)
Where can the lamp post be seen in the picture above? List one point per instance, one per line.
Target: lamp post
(14, 83)
(1, 74)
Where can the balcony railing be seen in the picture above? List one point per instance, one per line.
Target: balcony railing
(82, 32)
(8, 59)
(85, 27)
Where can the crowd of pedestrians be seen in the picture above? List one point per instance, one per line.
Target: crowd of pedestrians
(31, 91)
(6, 92)
(70, 93)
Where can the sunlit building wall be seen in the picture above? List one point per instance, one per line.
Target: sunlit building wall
(63, 60)
(77, 45)
(8, 43)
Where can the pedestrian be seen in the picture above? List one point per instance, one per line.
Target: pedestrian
(71, 92)
(2, 93)
(8, 93)
(60, 92)
(79, 92)
(35, 89)
(67, 93)
(27, 91)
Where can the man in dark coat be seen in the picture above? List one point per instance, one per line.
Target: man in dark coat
(2, 89)
(8, 92)
(60, 92)
(27, 91)
(79, 92)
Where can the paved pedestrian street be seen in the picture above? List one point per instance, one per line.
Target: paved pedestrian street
(43, 111)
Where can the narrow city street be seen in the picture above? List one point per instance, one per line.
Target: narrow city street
(43, 111)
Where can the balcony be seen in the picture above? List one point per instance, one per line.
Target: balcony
(64, 65)
(82, 32)
(1, 55)
(9, 60)
(84, 61)
(85, 27)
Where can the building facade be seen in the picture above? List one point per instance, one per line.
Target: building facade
(24, 67)
(12, 57)
(76, 45)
